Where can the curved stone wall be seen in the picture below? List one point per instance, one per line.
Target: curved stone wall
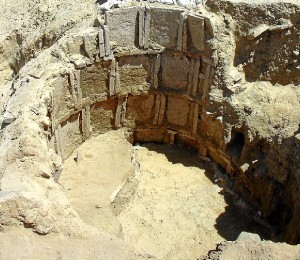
(133, 71)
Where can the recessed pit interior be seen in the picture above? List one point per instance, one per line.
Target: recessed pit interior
(162, 199)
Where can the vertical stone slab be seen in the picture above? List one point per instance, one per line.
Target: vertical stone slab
(53, 123)
(57, 134)
(212, 73)
(196, 30)
(124, 111)
(73, 87)
(101, 44)
(83, 123)
(141, 15)
(121, 112)
(206, 82)
(117, 78)
(74, 80)
(106, 40)
(156, 110)
(156, 70)
(112, 77)
(86, 122)
(78, 88)
(106, 17)
(184, 37)
(86, 45)
(195, 77)
(170, 138)
(180, 32)
(190, 77)
(162, 109)
(147, 28)
(118, 113)
(195, 118)
(200, 84)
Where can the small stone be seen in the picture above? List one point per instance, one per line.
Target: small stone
(220, 118)
(46, 175)
(41, 230)
(244, 236)
(46, 121)
(78, 157)
(43, 212)
(8, 118)
(297, 136)
(245, 167)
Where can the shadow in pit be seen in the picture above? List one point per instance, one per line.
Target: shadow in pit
(238, 216)
(178, 154)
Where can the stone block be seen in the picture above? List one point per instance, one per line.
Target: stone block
(196, 31)
(106, 35)
(69, 135)
(150, 135)
(123, 26)
(74, 44)
(121, 112)
(134, 73)
(175, 71)
(164, 26)
(159, 110)
(101, 43)
(90, 44)
(140, 108)
(62, 99)
(86, 122)
(95, 79)
(157, 65)
(178, 110)
(102, 116)
(74, 81)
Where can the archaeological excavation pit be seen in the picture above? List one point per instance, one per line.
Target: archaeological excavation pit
(158, 130)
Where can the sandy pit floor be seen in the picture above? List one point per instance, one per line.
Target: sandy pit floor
(160, 199)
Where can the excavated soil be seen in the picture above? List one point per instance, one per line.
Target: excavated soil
(160, 199)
